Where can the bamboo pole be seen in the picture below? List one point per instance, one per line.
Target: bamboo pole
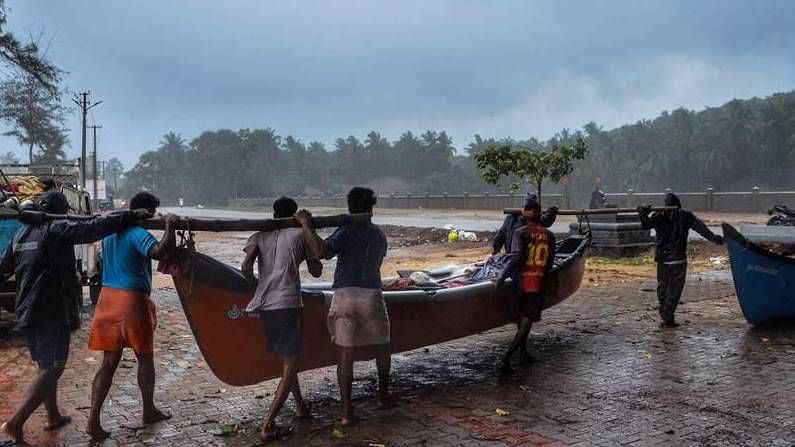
(593, 211)
(215, 225)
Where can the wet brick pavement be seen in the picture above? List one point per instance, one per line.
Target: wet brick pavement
(605, 376)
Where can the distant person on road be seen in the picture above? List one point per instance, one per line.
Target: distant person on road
(512, 222)
(358, 314)
(598, 199)
(125, 316)
(277, 301)
(49, 297)
(672, 229)
(532, 257)
(181, 201)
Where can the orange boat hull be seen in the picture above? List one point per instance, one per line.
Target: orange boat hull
(233, 343)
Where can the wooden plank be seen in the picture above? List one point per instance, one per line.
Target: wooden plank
(216, 225)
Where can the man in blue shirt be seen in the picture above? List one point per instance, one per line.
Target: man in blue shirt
(125, 316)
(358, 315)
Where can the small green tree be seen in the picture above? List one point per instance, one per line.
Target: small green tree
(530, 166)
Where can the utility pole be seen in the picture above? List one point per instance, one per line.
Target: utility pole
(96, 177)
(85, 105)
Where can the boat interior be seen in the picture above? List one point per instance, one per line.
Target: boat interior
(462, 277)
(451, 282)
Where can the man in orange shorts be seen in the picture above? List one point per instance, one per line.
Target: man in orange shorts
(125, 316)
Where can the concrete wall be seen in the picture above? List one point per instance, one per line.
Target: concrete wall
(752, 201)
(427, 201)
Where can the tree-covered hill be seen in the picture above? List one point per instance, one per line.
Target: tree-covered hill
(740, 144)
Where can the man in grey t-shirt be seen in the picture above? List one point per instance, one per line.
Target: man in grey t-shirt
(277, 300)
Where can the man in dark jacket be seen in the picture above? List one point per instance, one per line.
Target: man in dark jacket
(672, 229)
(513, 221)
(532, 257)
(48, 298)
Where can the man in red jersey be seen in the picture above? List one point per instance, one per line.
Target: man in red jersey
(532, 256)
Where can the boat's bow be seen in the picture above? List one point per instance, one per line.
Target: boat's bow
(764, 281)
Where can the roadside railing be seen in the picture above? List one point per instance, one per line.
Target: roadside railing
(752, 201)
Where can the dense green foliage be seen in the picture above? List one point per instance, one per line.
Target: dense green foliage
(733, 147)
(224, 164)
(25, 56)
(741, 144)
(30, 99)
(36, 117)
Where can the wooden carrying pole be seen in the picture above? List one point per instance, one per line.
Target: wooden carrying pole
(216, 225)
(593, 211)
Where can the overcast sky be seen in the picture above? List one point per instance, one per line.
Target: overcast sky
(323, 69)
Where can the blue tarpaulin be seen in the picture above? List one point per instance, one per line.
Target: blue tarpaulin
(8, 227)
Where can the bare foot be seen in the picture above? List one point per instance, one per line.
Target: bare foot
(504, 368)
(304, 412)
(385, 400)
(15, 433)
(275, 433)
(58, 422)
(96, 432)
(156, 416)
(347, 420)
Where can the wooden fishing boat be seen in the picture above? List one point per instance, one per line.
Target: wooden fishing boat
(765, 281)
(214, 295)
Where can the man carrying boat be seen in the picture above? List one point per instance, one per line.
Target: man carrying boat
(671, 231)
(277, 301)
(512, 222)
(49, 296)
(125, 316)
(358, 315)
(532, 256)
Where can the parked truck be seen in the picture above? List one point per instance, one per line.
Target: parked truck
(65, 179)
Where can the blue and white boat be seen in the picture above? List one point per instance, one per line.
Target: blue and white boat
(765, 281)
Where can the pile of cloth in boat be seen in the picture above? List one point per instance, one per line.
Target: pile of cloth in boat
(420, 280)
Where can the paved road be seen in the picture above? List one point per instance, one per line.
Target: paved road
(606, 376)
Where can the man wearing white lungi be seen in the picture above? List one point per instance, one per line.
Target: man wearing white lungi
(358, 315)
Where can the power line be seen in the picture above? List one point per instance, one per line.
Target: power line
(94, 196)
(85, 105)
